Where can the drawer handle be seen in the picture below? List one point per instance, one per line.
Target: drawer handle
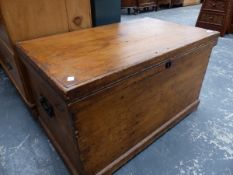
(47, 106)
(168, 64)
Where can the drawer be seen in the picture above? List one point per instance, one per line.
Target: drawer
(165, 2)
(9, 63)
(211, 18)
(177, 2)
(11, 68)
(216, 5)
(146, 3)
(128, 3)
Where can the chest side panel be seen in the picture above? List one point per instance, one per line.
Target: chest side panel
(56, 120)
(111, 122)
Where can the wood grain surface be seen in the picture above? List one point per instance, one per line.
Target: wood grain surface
(111, 52)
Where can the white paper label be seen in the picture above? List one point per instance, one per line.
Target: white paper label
(70, 78)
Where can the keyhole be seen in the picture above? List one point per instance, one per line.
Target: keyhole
(168, 64)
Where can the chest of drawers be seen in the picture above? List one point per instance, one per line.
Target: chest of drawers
(138, 4)
(103, 96)
(216, 15)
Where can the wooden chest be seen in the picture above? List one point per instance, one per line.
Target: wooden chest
(106, 93)
(216, 15)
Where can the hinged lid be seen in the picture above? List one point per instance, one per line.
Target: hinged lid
(84, 61)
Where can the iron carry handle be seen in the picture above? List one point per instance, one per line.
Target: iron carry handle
(48, 108)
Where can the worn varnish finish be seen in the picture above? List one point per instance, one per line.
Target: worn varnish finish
(30, 19)
(112, 90)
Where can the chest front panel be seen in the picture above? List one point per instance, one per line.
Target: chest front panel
(114, 121)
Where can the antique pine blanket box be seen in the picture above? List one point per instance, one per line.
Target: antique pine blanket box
(104, 94)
